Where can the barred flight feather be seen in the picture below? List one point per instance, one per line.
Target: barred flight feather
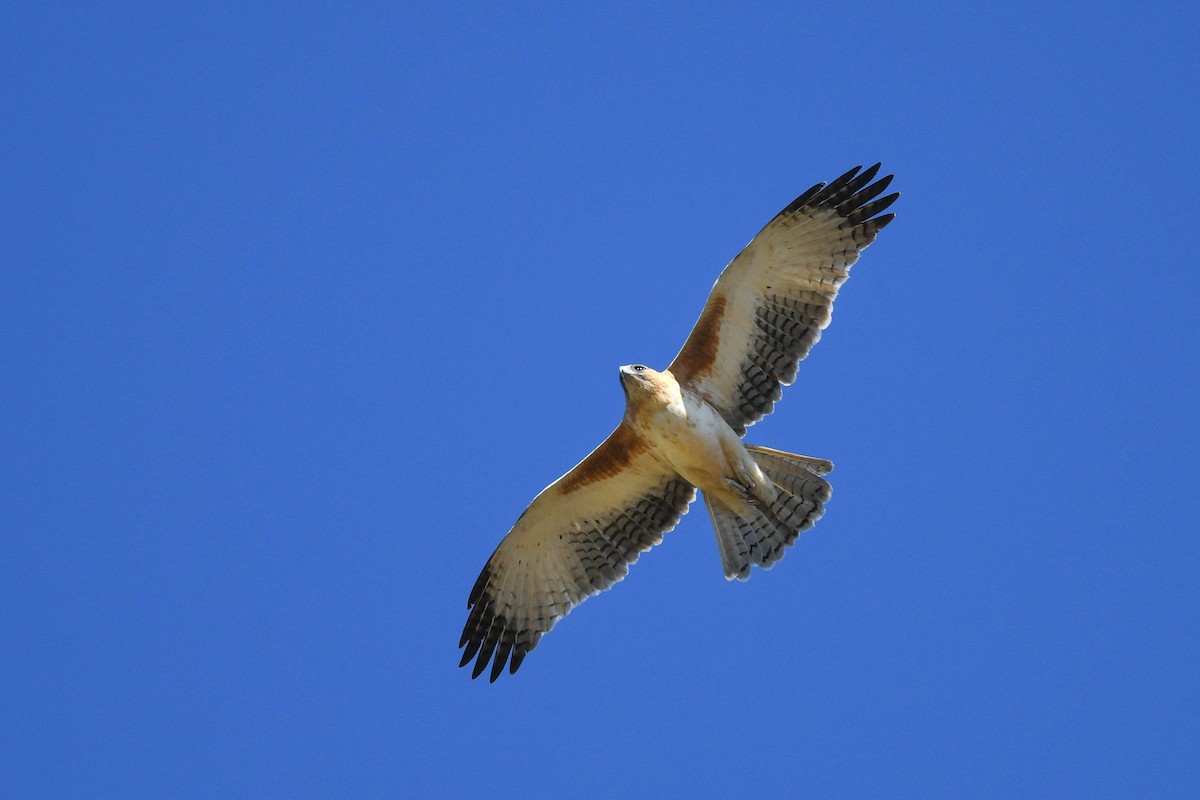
(559, 554)
(778, 294)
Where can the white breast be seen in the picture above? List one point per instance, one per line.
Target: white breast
(693, 438)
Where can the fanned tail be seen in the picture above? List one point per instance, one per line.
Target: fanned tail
(761, 532)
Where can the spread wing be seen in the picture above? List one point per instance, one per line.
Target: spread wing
(576, 539)
(771, 303)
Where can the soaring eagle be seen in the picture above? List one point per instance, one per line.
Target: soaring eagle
(682, 431)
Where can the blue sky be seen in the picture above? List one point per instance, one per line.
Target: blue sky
(302, 306)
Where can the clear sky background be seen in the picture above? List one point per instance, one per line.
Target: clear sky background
(302, 305)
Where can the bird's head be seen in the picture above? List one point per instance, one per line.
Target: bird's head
(637, 376)
(642, 383)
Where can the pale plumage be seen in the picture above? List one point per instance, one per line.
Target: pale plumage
(681, 432)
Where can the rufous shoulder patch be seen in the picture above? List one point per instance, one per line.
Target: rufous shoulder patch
(700, 350)
(612, 456)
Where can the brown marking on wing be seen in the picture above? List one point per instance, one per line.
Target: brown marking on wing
(700, 350)
(616, 453)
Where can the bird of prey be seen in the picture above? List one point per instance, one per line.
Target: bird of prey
(682, 432)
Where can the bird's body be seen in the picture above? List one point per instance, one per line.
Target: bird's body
(682, 432)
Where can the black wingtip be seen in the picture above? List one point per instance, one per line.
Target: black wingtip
(802, 200)
(881, 222)
(847, 175)
(480, 664)
(870, 172)
(498, 662)
(469, 653)
(865, 212)
(847, 192)
(867, 193)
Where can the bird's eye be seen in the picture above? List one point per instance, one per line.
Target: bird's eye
(638, 368)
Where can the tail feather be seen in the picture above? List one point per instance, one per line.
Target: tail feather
(761, 532)
(778, 463)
